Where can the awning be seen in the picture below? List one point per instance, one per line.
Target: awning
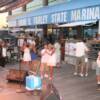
(73, 11)
(72, 24)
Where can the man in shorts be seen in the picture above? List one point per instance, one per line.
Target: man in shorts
(81, 49)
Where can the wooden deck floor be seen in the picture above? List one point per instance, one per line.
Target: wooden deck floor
(70, 87)
(73, 87)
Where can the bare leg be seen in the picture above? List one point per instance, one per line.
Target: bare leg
(87, 67)
(98, 79)
(51, 72)
(82, 69)
(76, 67)
(42, 70)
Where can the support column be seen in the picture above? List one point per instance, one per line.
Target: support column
(24, 8)
(10, 13)
(35, 29)
(99, 27)
(45, 2)
(79, 32)
(45, 27)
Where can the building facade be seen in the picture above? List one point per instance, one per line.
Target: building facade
(17, 17)
(56, 12)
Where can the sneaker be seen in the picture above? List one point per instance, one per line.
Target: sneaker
(75, 73)
(81, 74)
(86, 74)
(98, 89)
(98, 85)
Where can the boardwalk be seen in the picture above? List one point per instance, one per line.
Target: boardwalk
(70, 87)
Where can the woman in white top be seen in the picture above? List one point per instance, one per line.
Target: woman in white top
(51, 59)
(26, 55)
(44, 60)
(98, 69)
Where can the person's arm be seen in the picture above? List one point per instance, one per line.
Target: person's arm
(47, 52)
(53, 51)
(22, 48)
(98, 61)
(43, 52)
(86, 48)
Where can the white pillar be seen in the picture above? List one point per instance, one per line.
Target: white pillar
(99, 27)
(45, 2)
(35, 29)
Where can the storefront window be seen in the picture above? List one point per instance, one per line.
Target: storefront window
(90, 32)
(34, 5)
(53, 2)
(17, 11)
(22, 22)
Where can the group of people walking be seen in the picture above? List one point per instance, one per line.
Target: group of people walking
(49, 56)
(27, 51)
(81, 58)
(81, 65)
(78, 51)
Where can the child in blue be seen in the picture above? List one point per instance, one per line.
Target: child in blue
(33, 59)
